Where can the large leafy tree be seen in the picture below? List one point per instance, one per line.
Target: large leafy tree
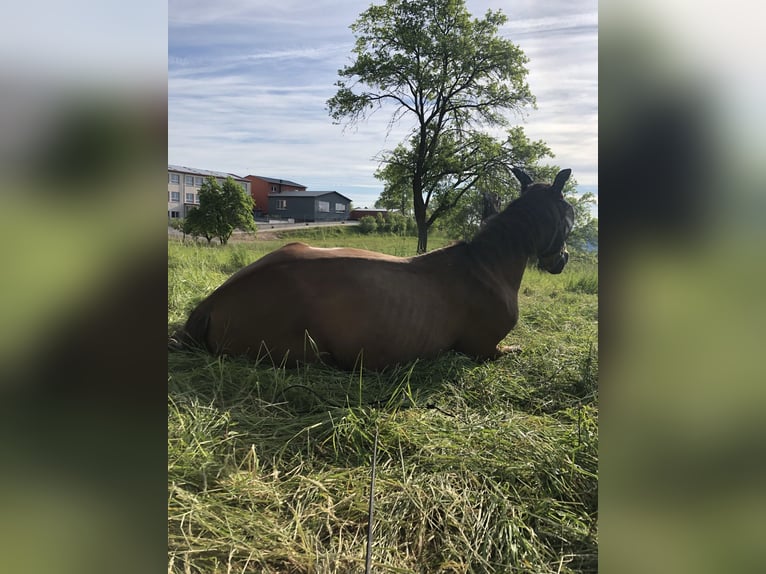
(496, 187)
(458, 167)
(448, 74)
(222, 209)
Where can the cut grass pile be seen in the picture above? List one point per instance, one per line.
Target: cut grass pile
(481, 467)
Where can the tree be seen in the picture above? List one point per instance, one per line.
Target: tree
(451, 75)
(498, 187)
(395, 196)
(469, 178)
(198, 223)
(222, 209)
(585, 237)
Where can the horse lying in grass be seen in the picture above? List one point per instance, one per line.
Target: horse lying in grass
(350, 307)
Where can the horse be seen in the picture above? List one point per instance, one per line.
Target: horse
(352, 308)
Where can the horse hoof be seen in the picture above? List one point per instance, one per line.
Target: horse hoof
(506, 349)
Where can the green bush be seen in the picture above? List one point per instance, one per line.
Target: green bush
(394, 223)
(367, 224)
(412, 227)
(176, 223)
(397, 223)
(381, 223)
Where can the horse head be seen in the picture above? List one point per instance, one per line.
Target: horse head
(556, 215)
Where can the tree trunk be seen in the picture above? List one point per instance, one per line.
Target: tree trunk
(419, 211)
(422, 223)
(422, 237)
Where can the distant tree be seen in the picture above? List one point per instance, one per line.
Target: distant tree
(198, 223)
(452, 75)
(585, 237)
(222, 209)
(397, 192)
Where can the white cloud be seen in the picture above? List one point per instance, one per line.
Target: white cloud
(248, 84)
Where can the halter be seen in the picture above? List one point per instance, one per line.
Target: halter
(564, 227)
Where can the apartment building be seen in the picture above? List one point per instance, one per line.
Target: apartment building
(183, 187)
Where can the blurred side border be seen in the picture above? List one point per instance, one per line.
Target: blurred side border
(83, 147)
(681, 312)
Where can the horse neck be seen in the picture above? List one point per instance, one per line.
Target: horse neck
(501, 249)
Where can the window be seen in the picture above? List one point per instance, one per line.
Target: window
(175, 178)
(175, 196)
(188, 180)
(281, 204)
(323, 206)
(340, 208)
(189, 198)
(196, 198)
(173, 214)
(198, 181)
(273, 189)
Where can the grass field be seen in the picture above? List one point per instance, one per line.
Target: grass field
(480, 468)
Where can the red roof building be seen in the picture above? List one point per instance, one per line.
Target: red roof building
(261, 187)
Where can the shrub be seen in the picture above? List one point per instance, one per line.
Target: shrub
(367, 224)
(397, 223)
(176, 223)
(412, 227)
(381, 223)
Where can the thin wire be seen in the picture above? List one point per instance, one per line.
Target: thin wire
(368, 564)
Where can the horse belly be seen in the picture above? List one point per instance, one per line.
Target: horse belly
(340, 309)
(391, 323)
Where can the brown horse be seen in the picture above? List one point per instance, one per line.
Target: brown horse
(349, 307)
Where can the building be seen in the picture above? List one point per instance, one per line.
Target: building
(183, 187)
(261, 187)
(309, 206)
(360, 212)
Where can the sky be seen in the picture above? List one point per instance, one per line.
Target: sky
(248, 82)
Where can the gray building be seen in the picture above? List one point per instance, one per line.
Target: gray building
(309, 206)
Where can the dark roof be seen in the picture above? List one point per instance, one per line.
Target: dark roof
(307, 194)
(204, 172)
(282, 181)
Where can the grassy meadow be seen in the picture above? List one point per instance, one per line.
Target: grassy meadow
(480, 468)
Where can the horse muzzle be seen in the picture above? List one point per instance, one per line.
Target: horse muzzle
(554, 263)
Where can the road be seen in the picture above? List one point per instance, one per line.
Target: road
(270, 227)
(266, 227)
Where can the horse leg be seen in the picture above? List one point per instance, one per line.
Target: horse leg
(489, 351)
(508, 349)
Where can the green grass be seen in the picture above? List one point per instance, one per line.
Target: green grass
(481, 467)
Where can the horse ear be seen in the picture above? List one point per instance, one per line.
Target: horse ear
(523, 178)
(561, 179)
